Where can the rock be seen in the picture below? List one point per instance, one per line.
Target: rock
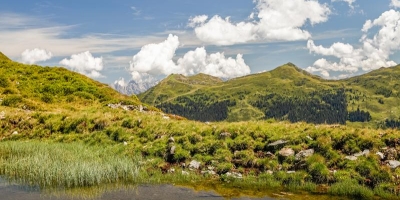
(286, 152)
(352, 158)
(225, 135)
(364, 153)
(276, 143)
(140, 108)
(210, 172)
(234, 175)
(393, 164)
(172, 170)
(166, 117)
(194, 164)
(2, 115)
(269, 154)
(172, 150)
(304, 154)
(171, 140)
(185, 173)
(381, 155)
(291, 172)
(15, 133)
(309, 138)
(270, 172)
(125, 143)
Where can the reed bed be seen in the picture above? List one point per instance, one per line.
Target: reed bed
(56, 165)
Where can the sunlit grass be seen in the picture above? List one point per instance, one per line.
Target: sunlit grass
(65, 165)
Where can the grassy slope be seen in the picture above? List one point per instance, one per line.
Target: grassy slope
(288, 80)
(284, 80)
(33, 87)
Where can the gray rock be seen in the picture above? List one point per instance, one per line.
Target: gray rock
(270, 172)
(286, 152)
(171, 139)
(15, 133)
(381, 155)
(304, 154)
(194, 164)
(393, 164)
(234, 175)
(2, 115)
(276, 143)
(225, 135)
(210, 172)
(363, 153)
(352, 158)
(172, 150)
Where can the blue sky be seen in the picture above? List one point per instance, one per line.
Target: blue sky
(147, 40)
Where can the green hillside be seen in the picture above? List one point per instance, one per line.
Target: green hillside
(285, 93)
(32, 87)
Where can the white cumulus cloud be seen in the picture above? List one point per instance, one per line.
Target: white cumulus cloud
(372, 53)
(395, 3)
(35, 55)
(350, 2)
(274, 20)
(158, 60)
(85, 63)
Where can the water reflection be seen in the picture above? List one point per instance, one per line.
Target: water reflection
(9, 191)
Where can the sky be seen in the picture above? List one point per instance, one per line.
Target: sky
(145, 41)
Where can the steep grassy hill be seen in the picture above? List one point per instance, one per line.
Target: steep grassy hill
(244, 98)
(32, 87)
(285, 93)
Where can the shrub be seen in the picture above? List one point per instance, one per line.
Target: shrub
(4, 82)
(351, 188)
(12, 100)
(223, 168)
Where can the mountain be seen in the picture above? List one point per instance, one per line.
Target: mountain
(133, 87)
(285, 93)
(33, 87)
(175, 85)
(4, 57)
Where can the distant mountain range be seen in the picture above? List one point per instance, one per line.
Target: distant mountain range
(133, 87)
(285, 93)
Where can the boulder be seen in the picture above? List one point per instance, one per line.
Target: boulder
(304, 154)
(286, 152)
(381, 155)
(172, 150)
(276, 143)
(194, 164)
(363, 153)
(352, 158)
(234, 175)
(393, 164)
(171, 140)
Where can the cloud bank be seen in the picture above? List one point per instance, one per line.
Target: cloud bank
(85, 64)
(35, 55)
(273, 20)
(372, 53)
(158, 59)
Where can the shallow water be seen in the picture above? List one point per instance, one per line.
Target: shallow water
(149, 192)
